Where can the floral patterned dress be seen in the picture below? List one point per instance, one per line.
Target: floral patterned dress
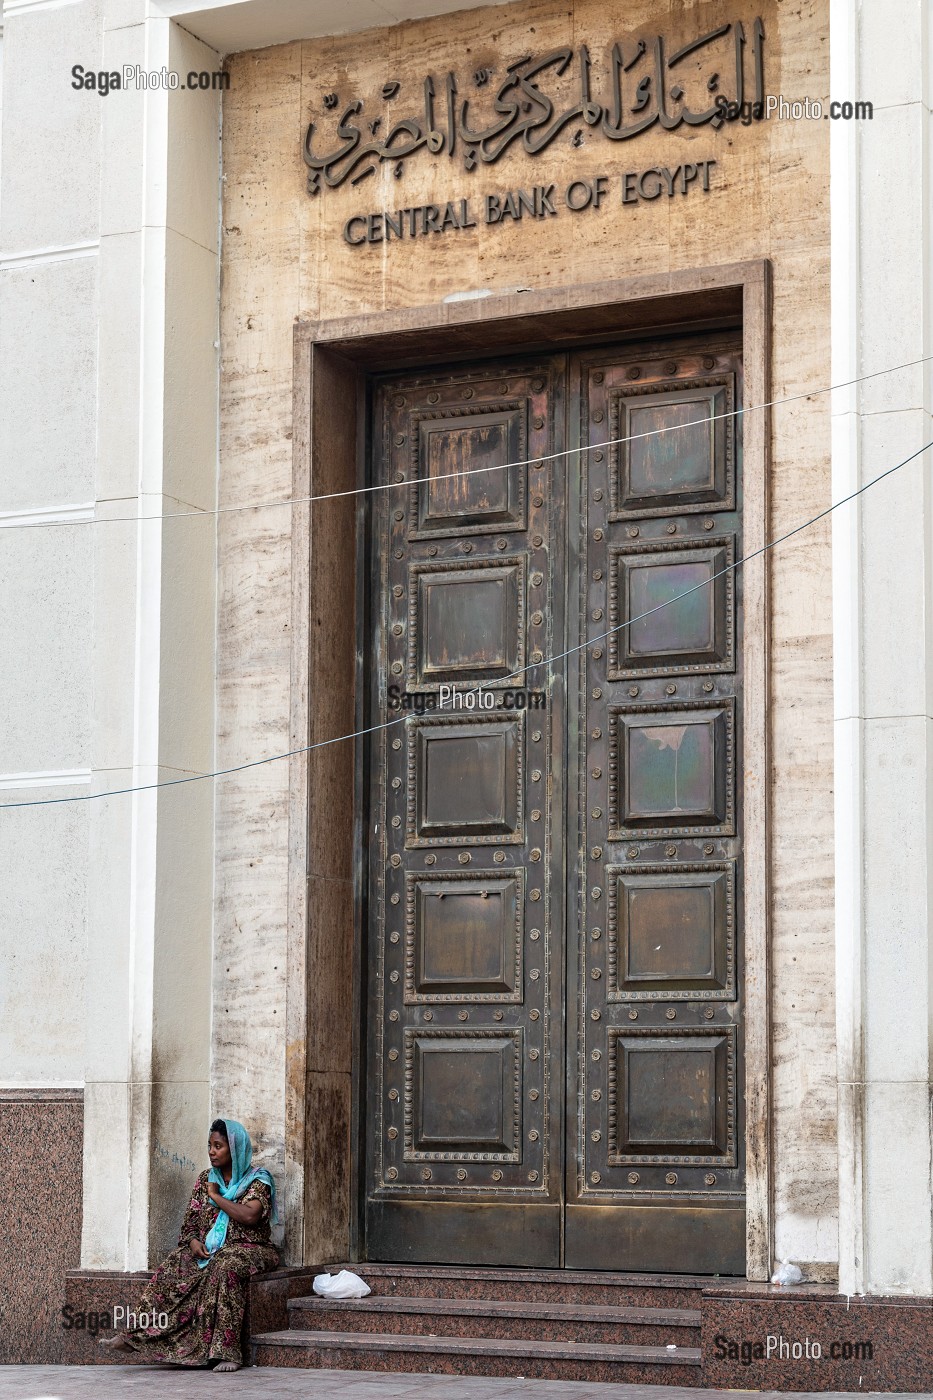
(205, 1306)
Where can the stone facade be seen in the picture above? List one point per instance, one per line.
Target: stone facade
(156, 251)
(284, 256)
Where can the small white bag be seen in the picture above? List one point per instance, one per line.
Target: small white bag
(786, 1275)
(342, 1285)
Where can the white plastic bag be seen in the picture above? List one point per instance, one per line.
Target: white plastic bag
(787, 1274)
(342, 1285)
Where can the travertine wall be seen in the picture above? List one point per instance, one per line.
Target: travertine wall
(284, 257)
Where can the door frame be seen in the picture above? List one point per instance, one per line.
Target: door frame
(333, 360)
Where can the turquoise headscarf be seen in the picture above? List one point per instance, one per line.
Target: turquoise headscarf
(242, 1175)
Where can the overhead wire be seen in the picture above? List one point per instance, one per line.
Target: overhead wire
(547, 661)
(447, 476)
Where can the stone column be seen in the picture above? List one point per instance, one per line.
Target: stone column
(150, 888)
(882, 278)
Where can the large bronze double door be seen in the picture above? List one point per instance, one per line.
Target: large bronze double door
(552, 930)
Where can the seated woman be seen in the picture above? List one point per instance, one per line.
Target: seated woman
(201, 1287)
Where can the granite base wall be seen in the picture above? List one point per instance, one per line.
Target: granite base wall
(895, 1335)
(92, 1294)
(90, 1297)
(41, 1147)
(882, 1344)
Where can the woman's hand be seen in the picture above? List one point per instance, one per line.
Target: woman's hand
(243, 1212)
(198, 1250)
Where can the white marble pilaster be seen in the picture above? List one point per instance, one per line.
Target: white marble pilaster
(147, 1104)
(883, 663)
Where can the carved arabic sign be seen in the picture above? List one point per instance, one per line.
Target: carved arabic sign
(644, 86)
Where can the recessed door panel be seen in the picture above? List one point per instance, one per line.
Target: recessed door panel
(467, 623)
(465, 1098)
(465, 781)
(671, 608)
(464, 937)
(673, 446)
(671, 932)
(469, 466)
(672, 1097)
(672, 769)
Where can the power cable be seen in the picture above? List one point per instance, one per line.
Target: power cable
(548, 661)
(447, 476)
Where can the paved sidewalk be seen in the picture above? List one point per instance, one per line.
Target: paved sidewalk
(269, 1383)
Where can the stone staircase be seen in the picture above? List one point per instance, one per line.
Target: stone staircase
(543, 1324)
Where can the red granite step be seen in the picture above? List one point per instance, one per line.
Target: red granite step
(479, 1317)
(532, 1285)
(477, 1356)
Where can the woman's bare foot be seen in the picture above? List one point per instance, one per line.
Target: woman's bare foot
(117, 1343)
(227, 1366)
